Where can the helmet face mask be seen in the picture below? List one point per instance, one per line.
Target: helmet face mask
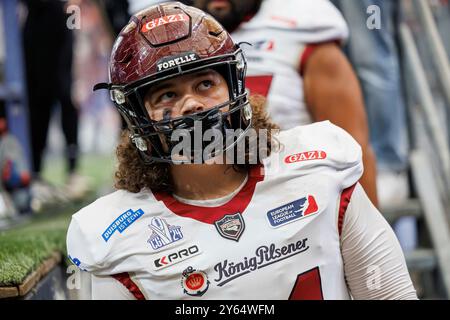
(160, 134)
(154, 139)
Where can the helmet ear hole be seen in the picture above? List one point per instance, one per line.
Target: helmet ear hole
(214, 34)
(214, 28)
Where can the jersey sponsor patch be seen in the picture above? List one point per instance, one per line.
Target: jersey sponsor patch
(194, 283)
(231, 226)
(163, 233)
(306, 156)
(293, 211)
(125, 220)
(174, 257)
(154, 23)
(264, 256)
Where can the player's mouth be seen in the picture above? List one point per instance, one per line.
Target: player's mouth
(219, 7)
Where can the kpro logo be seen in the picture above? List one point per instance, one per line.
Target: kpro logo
(175, 257)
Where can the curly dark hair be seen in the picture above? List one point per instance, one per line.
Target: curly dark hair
(133, 175)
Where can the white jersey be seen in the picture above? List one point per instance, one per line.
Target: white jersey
(278, 237)
(281, 34)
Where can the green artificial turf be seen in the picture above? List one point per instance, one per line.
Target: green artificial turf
(24, 248)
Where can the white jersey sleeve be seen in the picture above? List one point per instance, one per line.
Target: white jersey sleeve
(80, 249)
(340, 154)
(94, 237)
(374, 263)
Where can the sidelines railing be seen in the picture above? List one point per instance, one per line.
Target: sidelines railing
(427, 79)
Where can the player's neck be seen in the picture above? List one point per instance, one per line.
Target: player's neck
(203, 182)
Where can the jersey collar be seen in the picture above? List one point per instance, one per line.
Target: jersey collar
(211, 214)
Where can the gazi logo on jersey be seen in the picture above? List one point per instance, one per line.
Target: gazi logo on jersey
(306, 156)
(293, 211)
(163, 233)
(175, 257)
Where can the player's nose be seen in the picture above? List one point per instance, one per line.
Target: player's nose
(192, 104)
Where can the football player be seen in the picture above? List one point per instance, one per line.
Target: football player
(296, 62)
(291, 223)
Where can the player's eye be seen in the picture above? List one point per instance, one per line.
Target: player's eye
(205, 85)
(166, 96)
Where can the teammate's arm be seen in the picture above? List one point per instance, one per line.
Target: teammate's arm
(332, 92)
(374, 263)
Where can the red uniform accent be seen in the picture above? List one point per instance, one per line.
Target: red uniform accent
(345, 200)
(259, 84)
(209, 215)
(124, 278)
(308, 286)
(305, 56)
(308, 52)
(312, 208)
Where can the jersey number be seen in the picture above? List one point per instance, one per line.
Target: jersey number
(259, 84)
(308, 286)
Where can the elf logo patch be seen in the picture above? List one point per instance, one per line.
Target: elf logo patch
(305, 156)
(174, 257)
(298, 209)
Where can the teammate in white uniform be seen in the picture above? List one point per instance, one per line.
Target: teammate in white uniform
(296, 62)
(295, 225)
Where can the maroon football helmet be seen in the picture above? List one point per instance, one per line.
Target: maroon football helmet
(166, 41)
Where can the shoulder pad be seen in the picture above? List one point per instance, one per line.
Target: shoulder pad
(319, 145)
(314, 21)
(93, 231)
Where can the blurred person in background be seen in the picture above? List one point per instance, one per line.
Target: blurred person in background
(296, 62)
(98, 119)
(115, 14)
(373, 50)
(14, 171)
(48, 47)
